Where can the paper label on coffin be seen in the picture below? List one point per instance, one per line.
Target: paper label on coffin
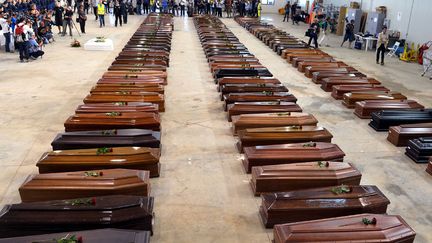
(272, 120)
(149, 97)
(319, 203)
(112, 120)
(67, 185)
(419, 149)
(349, 99)
(400, 135)
(99, 139)
(117, 107)
(89, 236)
(382, 120)
(282, 135)
(239, 108)
(117, 211)
(296, 176)
(290, 153)
(364, 109)
(387, 228)
(137, 158)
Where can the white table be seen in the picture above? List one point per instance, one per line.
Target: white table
(92, 45)
(367, 39)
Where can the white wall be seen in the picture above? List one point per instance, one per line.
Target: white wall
(418, 30)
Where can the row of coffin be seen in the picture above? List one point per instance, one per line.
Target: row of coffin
(308, 194)
(97, 178)
(408, 123)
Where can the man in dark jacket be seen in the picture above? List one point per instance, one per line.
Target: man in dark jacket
(123, 10)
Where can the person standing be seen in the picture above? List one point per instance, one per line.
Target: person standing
(117, 13)
(314, 30)
(138, 6)
(259, 8)
(349, 32)
(219, 8)
(5, 21)
(182, 7)
(228, 8)
(101, 13)
(287, 11)
(95, 8)
(58, 16)
(22, 33)
(123, 11)
(146, 5)
(67, 20)
(82, 18)
(382, 43)
(325, 26)
(293, 13)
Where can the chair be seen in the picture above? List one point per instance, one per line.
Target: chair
(393, 49)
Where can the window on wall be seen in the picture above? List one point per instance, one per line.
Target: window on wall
(267, 2)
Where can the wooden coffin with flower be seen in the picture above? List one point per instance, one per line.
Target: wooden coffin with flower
(112, 120)
(282, 135)
(240, 108)
(125, 89)
(354, 228)
(81, 213)
(247, 88)
(400, 135)
(364, 109)
(130, 81)
(217, 67)
(290, 153)
(132, 76)
(245, 80)
(280, 119)
(350, 99)
(328, 83)
(317, 77)
(67, 185)
(296, 60)
(106, 138)
(309, 69)
(137, 69)
(223, 58)
(280, 47)
(320, 203)
(290, 54)
(87, 236)
(137, 158)
(149, 97)
(419, 149)
(117, 107)
(258, 97)
(382, 120)
(296, 176)
(339, 90)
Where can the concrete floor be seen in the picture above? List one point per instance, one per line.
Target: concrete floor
(203, 194)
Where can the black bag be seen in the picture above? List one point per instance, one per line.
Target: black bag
(308, 32)
(77, 20)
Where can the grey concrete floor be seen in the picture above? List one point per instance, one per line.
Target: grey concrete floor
(203, 194)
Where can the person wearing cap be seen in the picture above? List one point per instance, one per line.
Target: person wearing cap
(382, 43)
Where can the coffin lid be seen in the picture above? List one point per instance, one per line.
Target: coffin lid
(116, 151)
(263, 103)
(119, 133)
(295, 146)
(286, 129)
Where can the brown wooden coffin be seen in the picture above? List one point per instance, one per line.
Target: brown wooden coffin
(291, 53)
(328, 83)
(429, 167)
(258, 97)
(126, 81)
(116, 211)
(282, 135)
(136, 158)
(339, 90)
(246, 88)
(317, 77)
(354, 228)
(280, 119)
(399, 135)
(310, 70)
(68, 185)
(123, 89)
(316, 58)
(321, 203)
(112, 120)
(364, 109)
(240, 108)
(133, 76)
(133, 69)
(246, 80)
(149, 97)
(88, 236)
(217, 67)
(117, 107)
(290, 153)
(349, 99)
(296, 176)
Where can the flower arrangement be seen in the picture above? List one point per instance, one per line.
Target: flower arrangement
(67, 239)
(93, 173)
(75, 43)
(109, 132)
(323, 164)
(310, 144)
(85, 201)
(103, 150)
(341, 189)
(100, 39)
(114, 113)
(367, 221)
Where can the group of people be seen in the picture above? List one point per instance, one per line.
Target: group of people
(294, 12)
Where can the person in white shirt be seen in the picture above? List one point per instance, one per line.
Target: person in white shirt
(5, 21)
(382, 43)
